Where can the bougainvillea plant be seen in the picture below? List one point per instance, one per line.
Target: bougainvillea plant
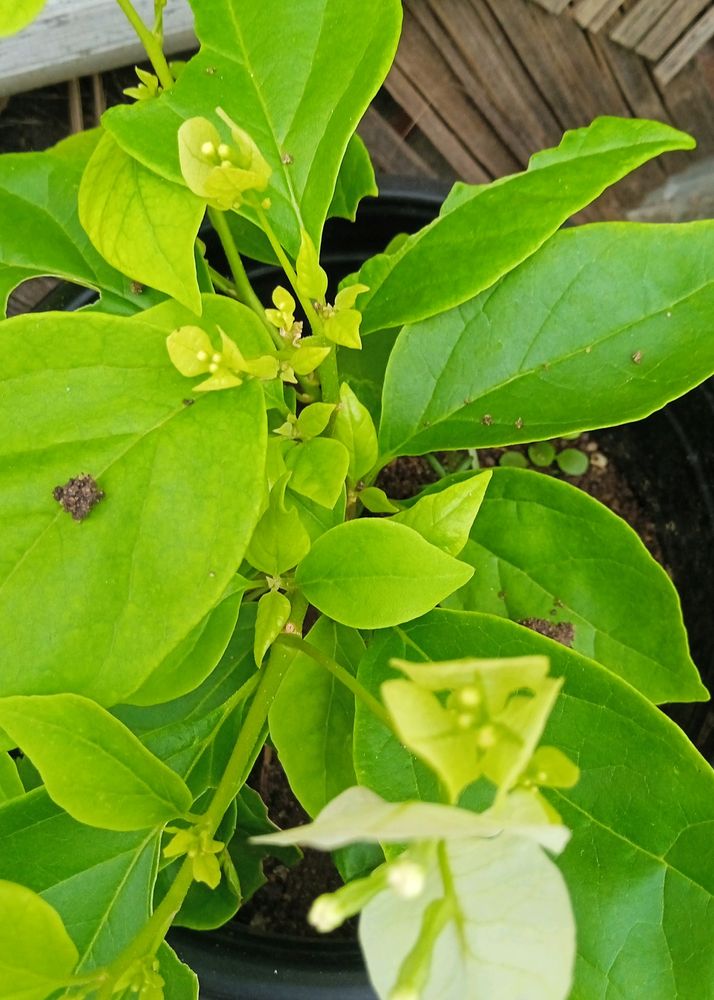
(185, 474)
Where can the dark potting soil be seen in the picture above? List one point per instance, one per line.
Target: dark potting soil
(281, 906)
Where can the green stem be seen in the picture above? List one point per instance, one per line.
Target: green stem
(338, 671)
(306, 304)
(222, 283)
(271, 676)
(243, 286)
(150, 42)
(329, 378)
(435, 464)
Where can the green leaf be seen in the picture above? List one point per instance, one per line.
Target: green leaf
(248, 857)
(273, 612)
(91, 764)
(487, 230)
(301, 110)
(280, 540)
(319, 469)
(573, 462)
(445, 518)
(545, 550)
(194, 658)
(16, 14)
(100, 396)
(355, 181)
(180, 982)
(313, 419)
(376, 501)
(354, 428)
(512, 930)
(41, 229)
(312, 716)
(491, 373)
(10, 783)
(358, 814)
(371, 574)
(142, 224)
(99, 881)
(36, 952)
(637, 853)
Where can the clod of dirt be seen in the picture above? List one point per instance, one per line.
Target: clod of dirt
(562, 632)
(78, 496)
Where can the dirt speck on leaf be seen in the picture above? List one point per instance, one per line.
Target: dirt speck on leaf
(562, 632)
(78, 496)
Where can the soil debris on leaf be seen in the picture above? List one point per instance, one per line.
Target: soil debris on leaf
(562, 632)
(78, 496)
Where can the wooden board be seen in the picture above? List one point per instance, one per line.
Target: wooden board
(78, 37)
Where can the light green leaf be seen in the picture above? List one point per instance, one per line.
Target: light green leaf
(280, 540)
(300, 111)
(312, 716)
(489, 229)
(17, 14)
(546, 550)
(180, 982)
(10, 784)
(41, 229)
(273, 612)
(512, 933)
(194, 658)
(358, 814)
(142, 224)
(636, 853)
(445, 518)
(377, 502)
(354, 428)
(374, 573)
(311, 279)
(355, 181)
(492, 373)
(36, 952)
(91, 764)
(100, 396)
(319, 468)
(315, 519)
(313, 419)
(99, 881)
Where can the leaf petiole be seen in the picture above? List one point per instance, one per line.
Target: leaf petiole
(151, 43)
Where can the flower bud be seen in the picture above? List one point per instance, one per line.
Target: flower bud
(325, 914)
(406, 878)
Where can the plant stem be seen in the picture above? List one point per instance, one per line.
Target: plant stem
(150, 42)
(222, 283)
(329, 378)
(243, 287)
(338, 671)
(234, 775)
(306, 304)
(435, 464)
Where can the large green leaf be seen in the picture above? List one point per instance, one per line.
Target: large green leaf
(16, 14)
(99, 881)
(95, 607)
(539, 355)
(511, 934)
(370, 574)
(296, 77)
(312, 716)
(36, 952)
(544, 549)
(639, 866)
(41, 229)
(142, 224)
(92, 765)
(484, 231)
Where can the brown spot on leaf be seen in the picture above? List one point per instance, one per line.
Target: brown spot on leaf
(487, 419)
(562, 632)
(188, 402)
(637, 357)
(78, 496)
(137, 288)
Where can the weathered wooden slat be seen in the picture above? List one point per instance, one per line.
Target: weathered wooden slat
(78, 37)
(685, 49)
(495, 78)
(553, 6)
(488, 142)
(671, 25)
(638, 21)
(422, 112)
(390, 152)
(422, 61)
(594, 14)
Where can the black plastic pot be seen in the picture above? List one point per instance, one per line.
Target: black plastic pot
(668, 462)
